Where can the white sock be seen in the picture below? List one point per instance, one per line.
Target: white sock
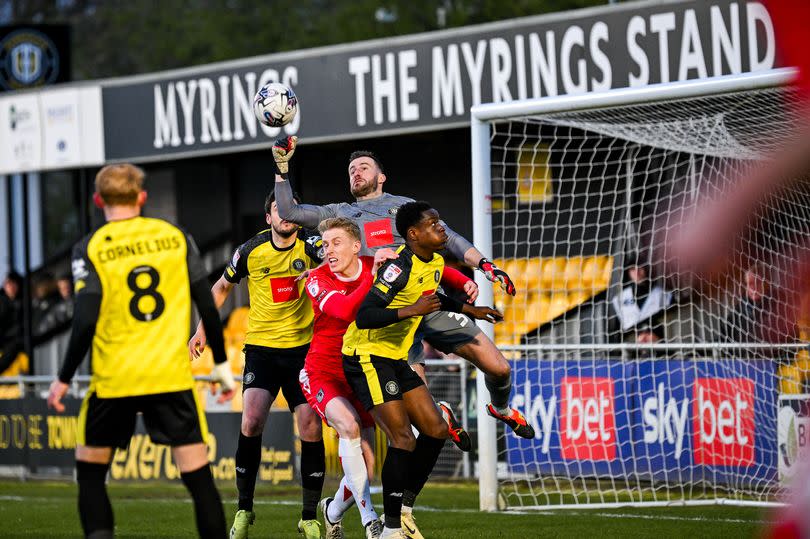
(503, 411)
(341, 502)
(356, 476)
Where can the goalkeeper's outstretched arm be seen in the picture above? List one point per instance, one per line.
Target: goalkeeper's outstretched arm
(306, 215)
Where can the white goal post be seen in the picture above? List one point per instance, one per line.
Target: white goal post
(643, 390)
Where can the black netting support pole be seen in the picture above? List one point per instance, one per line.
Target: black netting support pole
(26, 303)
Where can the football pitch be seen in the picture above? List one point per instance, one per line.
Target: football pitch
(444, 510)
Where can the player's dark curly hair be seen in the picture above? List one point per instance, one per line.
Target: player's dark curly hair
(409, 214)
(366, 153)
(268, 202)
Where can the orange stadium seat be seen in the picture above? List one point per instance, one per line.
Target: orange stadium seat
(573, 273)
(554, 273)
(533, 275)
(18, 367)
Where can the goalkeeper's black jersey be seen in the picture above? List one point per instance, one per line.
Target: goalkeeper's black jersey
(142, 269)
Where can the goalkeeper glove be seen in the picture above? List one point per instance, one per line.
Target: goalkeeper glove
(283, 150)
(496, 274)
(222, 373)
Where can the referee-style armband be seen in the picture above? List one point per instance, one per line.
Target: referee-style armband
(449, 304)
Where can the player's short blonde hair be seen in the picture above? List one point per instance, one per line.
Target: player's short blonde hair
(340, 222)
(120, 185)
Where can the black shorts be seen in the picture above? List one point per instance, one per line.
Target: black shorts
(376, 379)
(272, 369)
(171, 419)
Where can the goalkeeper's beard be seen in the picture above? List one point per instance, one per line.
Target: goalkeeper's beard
(366, 188)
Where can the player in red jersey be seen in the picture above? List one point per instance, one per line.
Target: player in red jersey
(336, 289)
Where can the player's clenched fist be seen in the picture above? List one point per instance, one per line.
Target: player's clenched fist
(283, 150)
(496, 274)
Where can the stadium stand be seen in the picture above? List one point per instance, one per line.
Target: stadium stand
(547, 288)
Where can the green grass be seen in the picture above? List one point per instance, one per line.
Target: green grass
(48, 509)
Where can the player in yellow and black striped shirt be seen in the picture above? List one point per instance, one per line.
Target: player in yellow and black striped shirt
(277, 341)
(375, 355)
(135, 280)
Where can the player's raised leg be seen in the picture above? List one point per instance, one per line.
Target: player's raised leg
(255, 407)
(355, 449)
(455, 429)
(432, 434)
(483, 353)
(313, 468)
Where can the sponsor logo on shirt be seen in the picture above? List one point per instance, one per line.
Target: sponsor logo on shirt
(79, 269)
(378, 233)
(283, 289)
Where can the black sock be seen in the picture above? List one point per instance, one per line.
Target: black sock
(207, 503)
(313, 468)
(95, 510)
(248, 457)
(424, 459)
(499, 390)
(395, 470)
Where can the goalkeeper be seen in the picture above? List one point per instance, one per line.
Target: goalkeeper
(375, 212)
(135, 279)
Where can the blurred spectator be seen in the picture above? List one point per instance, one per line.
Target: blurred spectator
(44, 296)
(61, 311)
(759, 316)
(637, 309)
(743, 323)
(11, 342)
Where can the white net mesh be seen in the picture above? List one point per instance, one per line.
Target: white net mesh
(640, 388)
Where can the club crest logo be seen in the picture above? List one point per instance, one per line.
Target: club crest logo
(27, 58)
(313, 288)
(249, 377)
(319, 396)
(298, 264)
(437, 276)
(392, 388)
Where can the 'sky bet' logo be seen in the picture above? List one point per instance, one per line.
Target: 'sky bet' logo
(587, 419)
(723, 421)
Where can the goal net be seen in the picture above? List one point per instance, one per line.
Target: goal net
(643, 388)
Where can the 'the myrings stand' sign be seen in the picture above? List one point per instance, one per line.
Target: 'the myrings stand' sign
(429, 81)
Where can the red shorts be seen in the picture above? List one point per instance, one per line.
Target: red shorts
(320, 387)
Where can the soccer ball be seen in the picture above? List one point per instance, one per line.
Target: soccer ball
(275, 105)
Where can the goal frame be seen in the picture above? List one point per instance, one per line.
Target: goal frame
(480, 129)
